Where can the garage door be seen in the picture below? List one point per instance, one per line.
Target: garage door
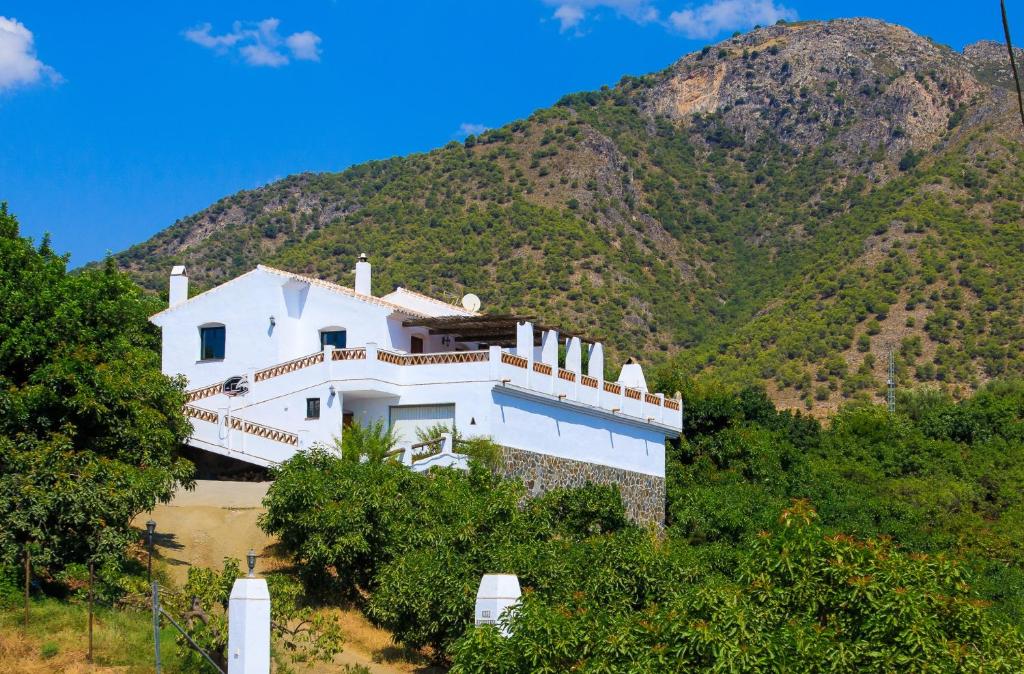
(407, 419)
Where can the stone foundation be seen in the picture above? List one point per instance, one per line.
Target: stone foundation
(643, 495)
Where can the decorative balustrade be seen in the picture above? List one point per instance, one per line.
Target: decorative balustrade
(290, 366)
(390, 357)
(205, 392)
(514, 360)
(349, 354)
(451, 358)
(200, 413)
(404, 359)
(259, 430)
(448, 358)
(237, 424)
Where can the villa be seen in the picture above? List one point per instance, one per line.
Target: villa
(277, 362)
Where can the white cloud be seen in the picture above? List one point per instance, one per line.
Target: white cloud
(714, 18)
(569, 16)
(471, 129)
(260, 54)
(570, 13)
(305, 45)
(18, 62)
(259, 43)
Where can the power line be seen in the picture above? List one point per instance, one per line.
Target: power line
(1013, 60)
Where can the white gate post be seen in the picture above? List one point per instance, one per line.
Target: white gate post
(249, 627)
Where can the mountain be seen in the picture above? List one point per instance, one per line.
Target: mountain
(784, 206)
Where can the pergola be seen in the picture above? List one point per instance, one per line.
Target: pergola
(495, 329)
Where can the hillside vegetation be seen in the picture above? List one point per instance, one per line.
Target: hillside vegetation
(784, 207)
(876, 543)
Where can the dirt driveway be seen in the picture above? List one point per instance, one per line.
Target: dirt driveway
(202, 527)
(218, 519)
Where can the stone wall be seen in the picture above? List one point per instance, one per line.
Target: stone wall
(643, 495)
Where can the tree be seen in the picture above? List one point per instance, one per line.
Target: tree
(800, 601)
(370, 443)
(89, 426)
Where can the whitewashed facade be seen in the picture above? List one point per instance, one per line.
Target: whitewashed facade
(265, 331)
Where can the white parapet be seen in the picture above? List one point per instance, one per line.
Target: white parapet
(497, 594)
(574, 355)
(595, 361)
(249, 627)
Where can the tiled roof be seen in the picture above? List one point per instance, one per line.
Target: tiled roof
(447, 305)
(370, 299)
(334, 287)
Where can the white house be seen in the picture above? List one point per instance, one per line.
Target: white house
(276, 361)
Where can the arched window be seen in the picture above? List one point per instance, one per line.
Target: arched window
(333, 336)
(212, 337)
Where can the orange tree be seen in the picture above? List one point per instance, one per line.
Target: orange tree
(801, 601)
(89, 426)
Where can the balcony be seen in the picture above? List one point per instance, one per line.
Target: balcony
(388, 371)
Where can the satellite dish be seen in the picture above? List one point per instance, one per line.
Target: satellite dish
(471, 302)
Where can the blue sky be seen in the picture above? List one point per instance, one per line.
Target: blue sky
(117, 118)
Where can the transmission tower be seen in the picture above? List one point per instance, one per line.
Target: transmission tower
(890, 397)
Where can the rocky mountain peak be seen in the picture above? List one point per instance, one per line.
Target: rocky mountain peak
(863, 82)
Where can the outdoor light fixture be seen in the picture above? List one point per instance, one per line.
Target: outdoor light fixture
(250, 559)
(273, 321)
(332, 390)
(150, 528)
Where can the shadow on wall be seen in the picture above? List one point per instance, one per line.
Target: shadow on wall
(210, 466)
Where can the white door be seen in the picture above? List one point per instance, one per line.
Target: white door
(407, 419)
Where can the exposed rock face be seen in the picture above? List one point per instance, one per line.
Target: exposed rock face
(691, 92)
(990, 62)
(796, 81)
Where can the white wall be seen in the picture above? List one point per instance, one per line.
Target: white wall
(561, 430)
(244, 306)
(517, 407)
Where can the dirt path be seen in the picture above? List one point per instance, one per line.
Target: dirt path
(218, 519)
(203, 526)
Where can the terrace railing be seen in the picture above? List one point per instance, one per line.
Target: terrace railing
(447, 358)
(243, 425)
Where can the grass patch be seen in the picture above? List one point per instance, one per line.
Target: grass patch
(57, 640)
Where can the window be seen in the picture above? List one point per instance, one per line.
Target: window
(312, 408)
(211, 343)
(335, 338)
(415, 344)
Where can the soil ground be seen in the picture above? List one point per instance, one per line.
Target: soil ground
(218, 519)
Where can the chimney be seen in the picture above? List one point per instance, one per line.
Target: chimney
(178, 291)
(363, 276)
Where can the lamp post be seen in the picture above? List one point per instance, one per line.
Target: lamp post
(250, 559)
(150, 528)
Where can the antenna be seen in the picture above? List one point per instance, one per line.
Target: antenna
(890, 397)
